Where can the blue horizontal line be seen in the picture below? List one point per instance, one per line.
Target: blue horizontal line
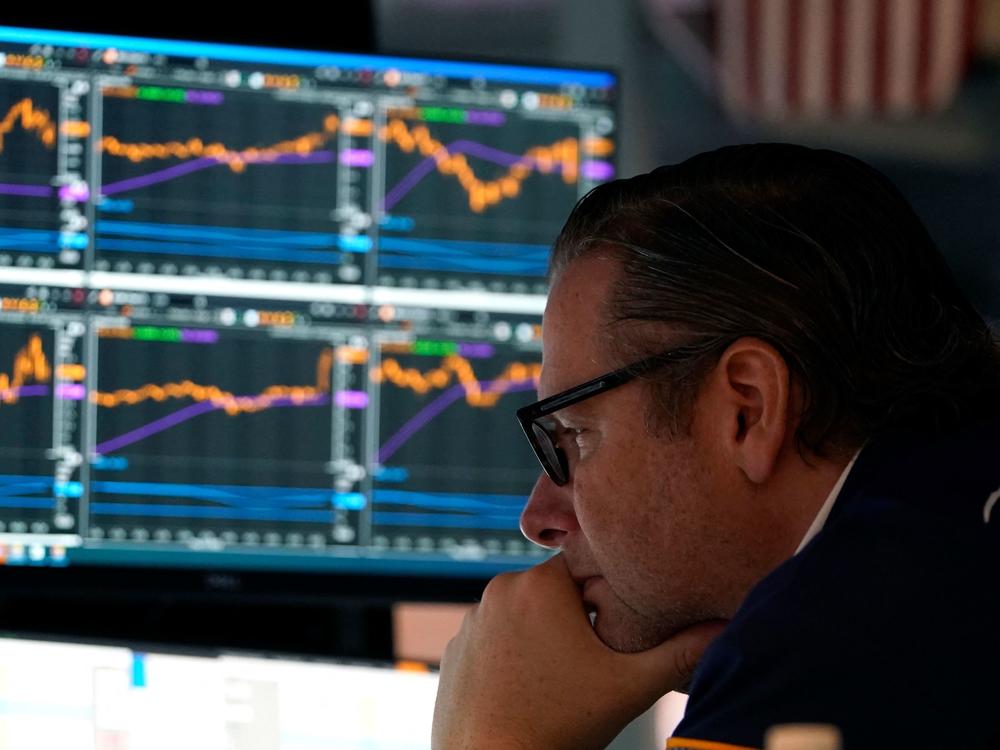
(16, 485)
(453, 69)
(15, 478)
(22, 233)
(176, 248)
(231, 494)
(29, 240)
(405, 564)
(197, 511)
(195, 490)
(228, 235)
(389, 518)
(453, 505)
(445, 500)
(465, 247)
(464, 264)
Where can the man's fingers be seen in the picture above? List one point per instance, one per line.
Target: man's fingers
(555, 566)
(549, 578)
(671, 664)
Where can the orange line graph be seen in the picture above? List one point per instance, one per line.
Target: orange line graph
(484, 193)
(452, 367)
(563, 155)
(236, 160)
(30, 364)
(33, 120)
(228, 402)
(455, 367)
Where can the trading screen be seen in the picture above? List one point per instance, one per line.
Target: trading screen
(274, 307)
(78, 696)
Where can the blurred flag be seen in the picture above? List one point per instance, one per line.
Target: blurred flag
(818, 59)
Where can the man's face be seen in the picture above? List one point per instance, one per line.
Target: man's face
(647, 523)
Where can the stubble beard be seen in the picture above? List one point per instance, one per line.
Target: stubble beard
(628, 631)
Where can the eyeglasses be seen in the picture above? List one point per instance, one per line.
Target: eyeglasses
(541, 428)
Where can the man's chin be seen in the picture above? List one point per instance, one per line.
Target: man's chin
(629, 634)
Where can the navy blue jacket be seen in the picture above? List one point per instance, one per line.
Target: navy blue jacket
(887, 624)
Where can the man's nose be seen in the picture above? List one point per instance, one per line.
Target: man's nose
(548, 515)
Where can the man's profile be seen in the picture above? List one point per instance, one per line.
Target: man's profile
(769, 422)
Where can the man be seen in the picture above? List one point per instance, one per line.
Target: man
(770, 423)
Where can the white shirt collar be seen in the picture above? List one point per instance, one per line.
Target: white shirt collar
(824, 512)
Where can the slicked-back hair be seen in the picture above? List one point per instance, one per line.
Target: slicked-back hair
(816, 253)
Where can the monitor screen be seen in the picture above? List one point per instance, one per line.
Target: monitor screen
(78, 696)
(270, 309)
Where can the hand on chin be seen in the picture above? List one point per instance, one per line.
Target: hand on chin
(529, 670)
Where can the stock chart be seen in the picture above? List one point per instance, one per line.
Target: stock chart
(26, 409)
(227, 180)
(29, 219)
(474, 193)
(189, 442)
(448, 467)
(277, 303)
(40, 391)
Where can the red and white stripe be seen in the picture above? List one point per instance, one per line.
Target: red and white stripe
(809, 59)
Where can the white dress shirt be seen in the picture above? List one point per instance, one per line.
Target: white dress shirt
(820, 519)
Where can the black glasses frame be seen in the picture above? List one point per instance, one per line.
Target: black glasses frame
(541, 436)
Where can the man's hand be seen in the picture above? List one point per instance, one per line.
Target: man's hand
(527, 670)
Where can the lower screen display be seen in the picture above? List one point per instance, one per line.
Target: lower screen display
(314, 434)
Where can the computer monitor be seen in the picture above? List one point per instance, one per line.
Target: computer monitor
(85, 696)
(271, 311)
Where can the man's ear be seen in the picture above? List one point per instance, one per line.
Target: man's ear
(750, 405)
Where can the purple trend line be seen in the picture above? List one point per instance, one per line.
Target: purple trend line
(26, 390)
(182, 415)
(424, 168)
(419, 420)
(179, 170)
(31, 191)
(159, 425)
